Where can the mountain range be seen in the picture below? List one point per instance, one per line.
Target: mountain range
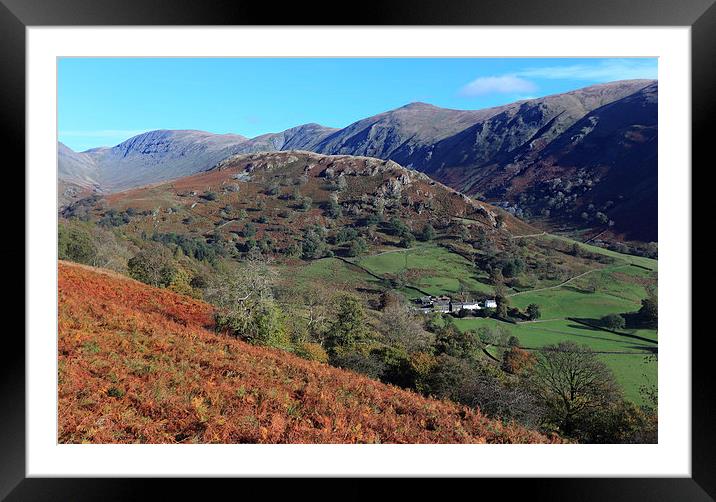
(585, 158)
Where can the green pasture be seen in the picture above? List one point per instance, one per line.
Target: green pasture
(649, 263)
(432, 268)
(614, 289)
(624, 355)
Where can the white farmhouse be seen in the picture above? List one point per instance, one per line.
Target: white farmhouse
(469, 305)
(490, 304)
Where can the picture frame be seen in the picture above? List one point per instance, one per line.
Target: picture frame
(17, 15)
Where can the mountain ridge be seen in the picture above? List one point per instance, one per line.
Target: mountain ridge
(469, 150)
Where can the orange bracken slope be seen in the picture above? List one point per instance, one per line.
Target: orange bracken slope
(138, 364)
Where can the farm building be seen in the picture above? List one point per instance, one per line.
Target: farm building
(469, 305)
(441, 306)
(490, 304)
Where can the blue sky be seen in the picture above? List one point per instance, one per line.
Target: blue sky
(103, 101)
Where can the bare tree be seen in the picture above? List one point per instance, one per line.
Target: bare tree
(572, 383)
(401, 327)
(245, 302)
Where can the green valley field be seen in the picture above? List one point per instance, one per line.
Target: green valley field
(570, 312)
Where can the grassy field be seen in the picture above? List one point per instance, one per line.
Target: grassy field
(641, 261)
(627, 357)
(431, 268)
(331, 274)
(615, 288)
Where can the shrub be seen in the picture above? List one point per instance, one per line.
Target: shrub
(357, 247)
(152, 266)
(75, 244)
(249, 230)
(398, 228)
(428, 233)
(306, 203)
(333, 209)
(397, 369)
(533, 312)
(517, 361)
(407, 241)
(312, 352)
(264, 324)
(613, 321)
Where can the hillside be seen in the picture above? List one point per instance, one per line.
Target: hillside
(143, 365)
(601, 138)
(278, 197)
(159, 155)
(606, 161)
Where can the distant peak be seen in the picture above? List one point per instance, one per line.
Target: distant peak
(418, 104)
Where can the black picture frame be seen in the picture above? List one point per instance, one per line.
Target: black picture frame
(16, 15)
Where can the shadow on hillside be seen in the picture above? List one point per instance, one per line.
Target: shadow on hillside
(594, 325)
(578, 290)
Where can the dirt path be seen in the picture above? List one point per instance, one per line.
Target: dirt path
(542, 320)
(530, 235)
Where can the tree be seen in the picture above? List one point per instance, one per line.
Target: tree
(314, 243)
(245, 303)
(649, 311)
(517, 361)
(572, 384)
(513, 267)
(357, 247)
(456, 343)
(513, 341)
(401, 328)
(333, 209)
(503, 303)
(153, 266)
(533, 312)
(407, 241)
(428, 233)
(349, 327)
(592, 283)
(75, 244)
(398, 228)
(613, 321)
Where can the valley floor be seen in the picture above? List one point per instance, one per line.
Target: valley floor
(570, 310)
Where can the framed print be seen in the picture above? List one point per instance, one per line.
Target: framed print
(424, 244)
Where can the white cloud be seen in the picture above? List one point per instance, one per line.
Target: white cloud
(520, 82)
(504, 84)
(606, 71)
